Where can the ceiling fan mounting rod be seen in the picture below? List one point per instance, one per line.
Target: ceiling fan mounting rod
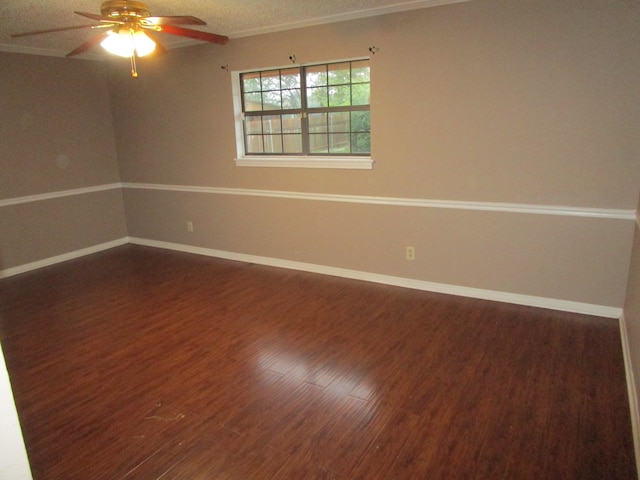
(129, 25)
(124, 10)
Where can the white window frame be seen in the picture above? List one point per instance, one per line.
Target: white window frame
(350, 162)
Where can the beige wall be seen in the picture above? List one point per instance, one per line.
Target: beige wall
(525, 102)
(517, 102)
(56, 133)
(524, 254)
(632, 334)
(528, 102)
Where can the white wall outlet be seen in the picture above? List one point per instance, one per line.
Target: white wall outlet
(189, 226)
(410, 253)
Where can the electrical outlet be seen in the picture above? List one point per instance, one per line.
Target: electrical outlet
(410, 253)
(189, 226)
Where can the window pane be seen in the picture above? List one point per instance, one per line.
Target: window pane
(271, 80)
(291, 99)
(271, 100)
(292, 143)
(318, 143)
(290, 78)
(253, 125)
(291, 123)
(339, 122)
(254, 144)
(317, 122)
(251, 82)
(339, 73)
(336, 118)
(340, 96)
(360, 121)
(360, 71)
(339, 143)
(272, 144)
(316, 75)
(271, 124)
(361, 95)
(317, 97)
(252, 102)
(360, 142)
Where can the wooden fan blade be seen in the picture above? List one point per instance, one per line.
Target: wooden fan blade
(99, 18)
(197, 34)
(87, 45)
(172, 20)
(38, 32)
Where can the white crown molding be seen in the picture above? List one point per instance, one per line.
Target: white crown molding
(342, 17)
(47, 52)
(371, 12)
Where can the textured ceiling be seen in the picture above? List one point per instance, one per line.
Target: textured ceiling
(233, 18)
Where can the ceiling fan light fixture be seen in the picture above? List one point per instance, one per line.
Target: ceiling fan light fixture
(123, 24)
(143, 44)
(118, 43)
(126, 41)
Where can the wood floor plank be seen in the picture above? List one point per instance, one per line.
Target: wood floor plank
(385, 448)
(140, 363)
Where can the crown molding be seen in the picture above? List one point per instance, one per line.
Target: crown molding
(46, 52)
(342, 17)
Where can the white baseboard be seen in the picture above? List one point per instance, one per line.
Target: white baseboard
(518, 299)
(497, 296)
(542, 302)
(62, 258)
(631, 389)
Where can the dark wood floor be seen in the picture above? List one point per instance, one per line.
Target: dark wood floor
(138, 363)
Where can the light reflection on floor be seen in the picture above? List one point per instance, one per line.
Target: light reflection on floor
(337, 380)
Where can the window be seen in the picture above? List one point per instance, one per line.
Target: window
(311, 115)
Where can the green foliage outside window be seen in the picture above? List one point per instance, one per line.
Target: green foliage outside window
(309, 110)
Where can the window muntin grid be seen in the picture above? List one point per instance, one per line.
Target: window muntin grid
(308, 110)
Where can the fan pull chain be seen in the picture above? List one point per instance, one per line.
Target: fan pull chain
(134, 70)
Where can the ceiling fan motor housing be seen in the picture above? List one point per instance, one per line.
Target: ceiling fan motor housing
(132, 19)
(124, 10)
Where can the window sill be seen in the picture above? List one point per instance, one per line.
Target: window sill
(350, 163)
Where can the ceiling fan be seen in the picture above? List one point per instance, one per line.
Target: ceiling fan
(130, 28)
